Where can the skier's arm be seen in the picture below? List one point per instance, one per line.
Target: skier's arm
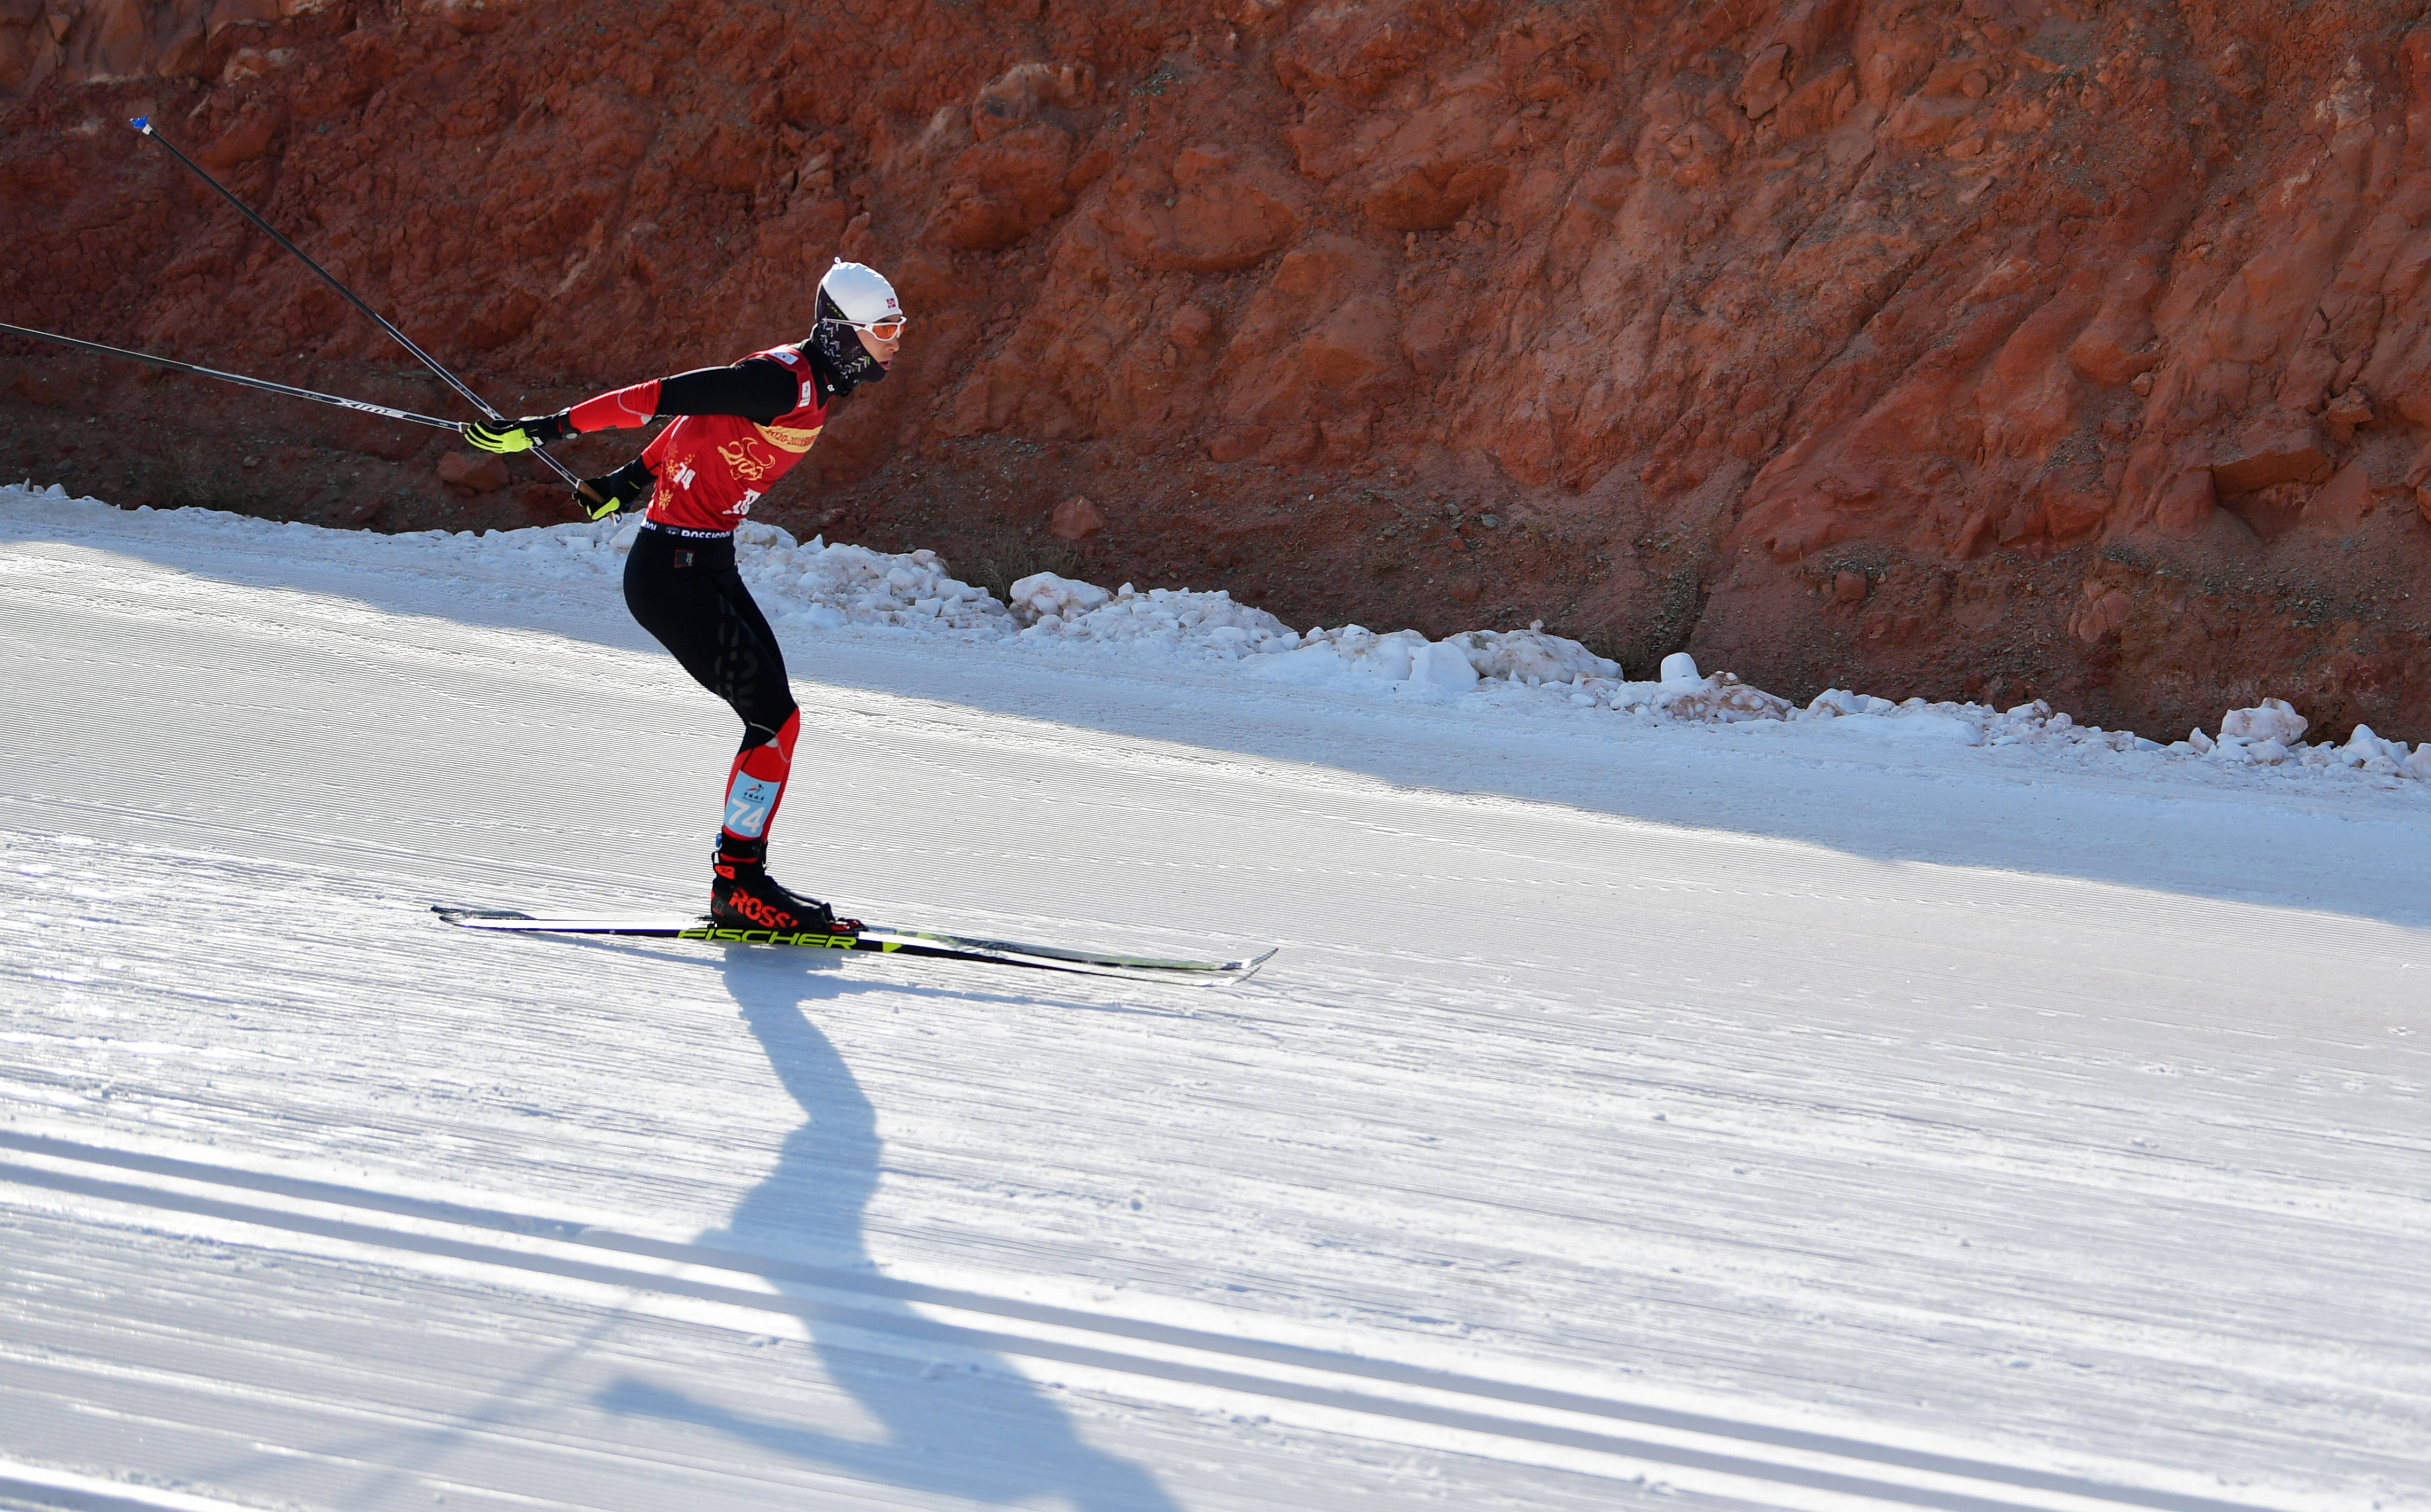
(758, 389)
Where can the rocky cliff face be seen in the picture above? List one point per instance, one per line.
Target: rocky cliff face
(1963, 348)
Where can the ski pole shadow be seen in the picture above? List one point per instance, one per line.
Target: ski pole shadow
(975, 1428)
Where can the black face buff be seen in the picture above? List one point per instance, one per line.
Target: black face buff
(837, 356)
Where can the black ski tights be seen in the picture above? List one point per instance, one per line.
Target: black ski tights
(684, 590)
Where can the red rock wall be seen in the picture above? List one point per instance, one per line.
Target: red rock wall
(1961, 347)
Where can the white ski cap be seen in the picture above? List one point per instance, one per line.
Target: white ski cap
(860, 293)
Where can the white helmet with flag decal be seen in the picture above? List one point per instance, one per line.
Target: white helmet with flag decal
(858, 295)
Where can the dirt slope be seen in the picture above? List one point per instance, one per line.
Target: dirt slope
(1952, 347)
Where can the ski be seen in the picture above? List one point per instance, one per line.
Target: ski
(871, 938)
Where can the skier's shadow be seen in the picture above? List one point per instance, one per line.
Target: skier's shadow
(976, 1429)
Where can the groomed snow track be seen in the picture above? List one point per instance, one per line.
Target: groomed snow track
(1151, 1352)
(1678, 1117)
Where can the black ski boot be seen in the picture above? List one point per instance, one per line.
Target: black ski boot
(742, 895)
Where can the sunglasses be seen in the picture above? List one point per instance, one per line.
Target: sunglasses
(885, 330)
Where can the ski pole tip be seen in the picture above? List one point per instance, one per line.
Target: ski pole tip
(142, 124)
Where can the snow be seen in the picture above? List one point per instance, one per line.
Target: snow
(2274, 720)
(1665, 1095)
(818, 586)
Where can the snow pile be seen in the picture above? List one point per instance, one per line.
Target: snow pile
(2265, 736)
(1963, 724)
(2269, 735)
(2367, 753)
(818, 585)
(1833, 702)
(1353, 654)
(1681, 693)
(1532, 657)
(2273, 719)
(1177, 620)
(830, 586)
(1407, 661)
(2031, 725)
(1211, 624)
(2272, 734)
(1680, 696)
(1045, 596)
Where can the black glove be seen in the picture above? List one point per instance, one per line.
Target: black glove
(503, 436)
(613, 492)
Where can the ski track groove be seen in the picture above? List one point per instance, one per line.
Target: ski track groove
(1495, 1393)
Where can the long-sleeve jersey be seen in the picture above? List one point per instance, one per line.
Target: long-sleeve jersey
(738, 429)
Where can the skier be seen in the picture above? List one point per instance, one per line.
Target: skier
(737, 431)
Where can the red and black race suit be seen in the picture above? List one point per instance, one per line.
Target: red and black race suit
(737, 430)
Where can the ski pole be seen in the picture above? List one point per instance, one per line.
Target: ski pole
(142, 124)
(264, 384)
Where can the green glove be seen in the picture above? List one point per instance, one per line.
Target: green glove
(613, 492)
(504, 436)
